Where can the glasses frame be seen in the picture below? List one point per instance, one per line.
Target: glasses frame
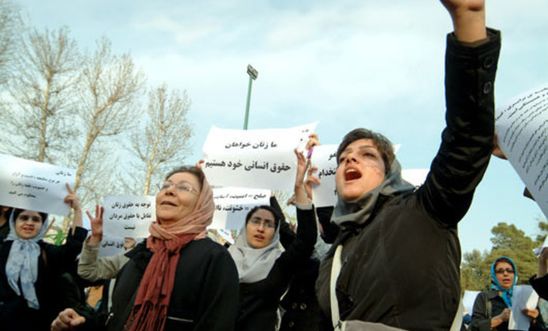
(265, 223)
(503, 270)
(180, 187)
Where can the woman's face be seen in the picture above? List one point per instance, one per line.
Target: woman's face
(360, 170)
(505, 274)
(260, 228)
(28, 224)
(177, 197)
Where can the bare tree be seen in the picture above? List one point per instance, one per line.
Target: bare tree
(162, 140)
(41, 95)
(10, 25)
(109, 86)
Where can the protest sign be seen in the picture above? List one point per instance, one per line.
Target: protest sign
(254, 158)
(34, 185)
(522, 129)
(523, 297)
(233, 203)
(128, 216)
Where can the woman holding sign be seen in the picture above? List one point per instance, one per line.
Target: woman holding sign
(178, 279)
(30, 268)
(264, 270)
(492, 308)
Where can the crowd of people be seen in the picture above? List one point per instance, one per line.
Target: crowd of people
(385, 257)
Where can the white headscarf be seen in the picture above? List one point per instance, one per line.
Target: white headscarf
(254, 264)
(22, 264)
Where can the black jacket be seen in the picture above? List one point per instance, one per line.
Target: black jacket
(204, 297)
(259, 301)
(540, 285)
(489, 304)
(401, 268)
(50, 288)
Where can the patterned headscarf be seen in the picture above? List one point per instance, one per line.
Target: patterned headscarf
(506, 294)
(22, 264)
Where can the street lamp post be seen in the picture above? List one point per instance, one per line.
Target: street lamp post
(253, 74)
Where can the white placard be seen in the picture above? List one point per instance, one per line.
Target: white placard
(523, 297)
(522, 129)
(254, 158)
(34, 185)
(233, 203)
(468, 300)
(128, 216)
(110, 246)
(324, 157)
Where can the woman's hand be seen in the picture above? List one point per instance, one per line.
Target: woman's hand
(468, 19)
(72, 200)
(300, 191)
(531, 313)
(67, 320)
(96, 226)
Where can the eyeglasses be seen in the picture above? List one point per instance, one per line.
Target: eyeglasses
(180, 187)
(266, 223)
(24, 218)
(507, 270)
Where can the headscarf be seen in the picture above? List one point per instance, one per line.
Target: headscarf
(22, 263)
(359, 211)
(254, 264)
(506, 294)
(166, 241)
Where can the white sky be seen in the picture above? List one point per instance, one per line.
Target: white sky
(346, 64)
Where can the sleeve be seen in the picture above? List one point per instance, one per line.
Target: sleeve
(467, 140)
(218, 306)
(93, 268)
(540, 285)
(63, 257)
(329, 231)
(481, 319)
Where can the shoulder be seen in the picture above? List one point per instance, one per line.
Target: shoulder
(206, 248)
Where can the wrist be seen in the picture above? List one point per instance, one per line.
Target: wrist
(94, 240)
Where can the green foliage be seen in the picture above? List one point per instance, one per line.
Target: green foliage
(509, 241)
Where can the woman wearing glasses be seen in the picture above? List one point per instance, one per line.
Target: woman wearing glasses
(492, 307)
(178, 279)
(264, 270)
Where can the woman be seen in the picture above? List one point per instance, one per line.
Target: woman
(264, 270)
(31, 269)
(178, 279)
(492, 308)
(400, 249)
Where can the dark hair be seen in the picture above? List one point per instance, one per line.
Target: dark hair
(506, 260)
(190, 169)
(17, 211)
(6, 213)
(274, 212)
(381, 142)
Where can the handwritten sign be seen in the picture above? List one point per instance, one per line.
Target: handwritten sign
(523, 297)
(324, 157)
(34, 185)
(128, 216)
(111, 246)
(254, 158)
(522, 128)
(233, 203)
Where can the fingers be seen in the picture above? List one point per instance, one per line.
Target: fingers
(69, 189)
(200, 163)
(313, 140)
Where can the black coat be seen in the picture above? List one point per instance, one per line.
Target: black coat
(401, 267)
(259, 301)
(489, 304)
(540, 285)
(50, 287)
(204, 297)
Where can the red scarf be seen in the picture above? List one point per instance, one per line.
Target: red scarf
(150, 308)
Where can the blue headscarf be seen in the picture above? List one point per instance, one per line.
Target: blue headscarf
(506, 294)
(22, 264)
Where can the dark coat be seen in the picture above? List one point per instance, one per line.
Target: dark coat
(205, 294)
(401, 268)
(489, 304)
(53, 262)
(259, 301)
(540, 285)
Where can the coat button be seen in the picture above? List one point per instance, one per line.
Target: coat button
(291, 324)
(488, 62)
(487, 87)
(303, 306)
(294, 305)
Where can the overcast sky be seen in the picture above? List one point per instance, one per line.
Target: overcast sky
(345, 64)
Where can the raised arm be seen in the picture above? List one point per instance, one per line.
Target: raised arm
(468, 19)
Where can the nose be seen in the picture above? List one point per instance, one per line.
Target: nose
(350, 157)
(261, 227)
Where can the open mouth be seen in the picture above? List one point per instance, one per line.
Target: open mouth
(168, 203)
(260, 238)
(352, 174)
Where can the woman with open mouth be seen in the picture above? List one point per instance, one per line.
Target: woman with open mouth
(492, 307)
(264, 270)
(30, 268)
